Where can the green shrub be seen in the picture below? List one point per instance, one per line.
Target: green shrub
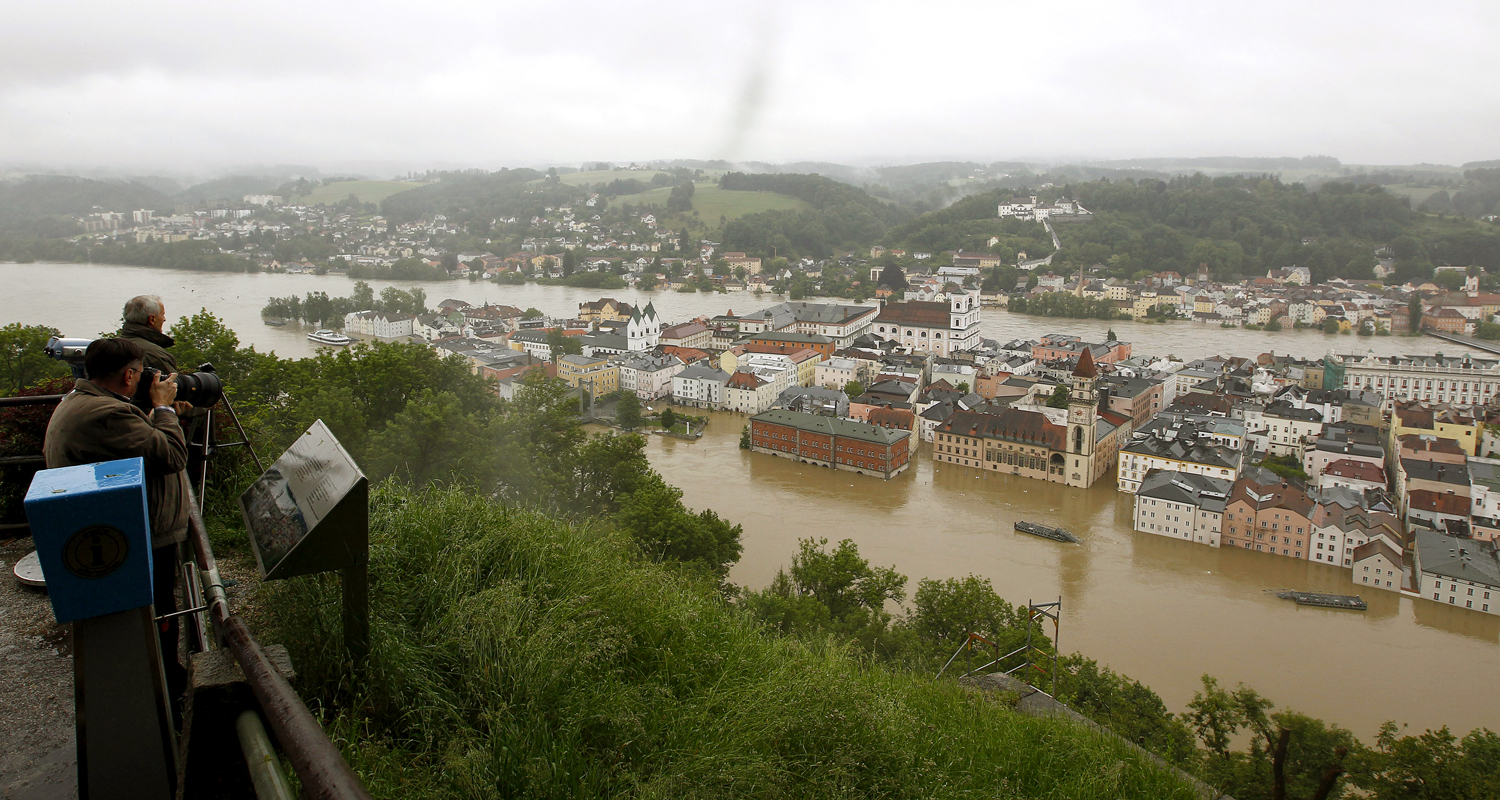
(517, 655)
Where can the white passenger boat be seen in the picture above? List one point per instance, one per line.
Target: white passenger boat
(330, 337)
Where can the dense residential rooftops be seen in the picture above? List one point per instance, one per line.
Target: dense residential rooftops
(1457, 559)
(916, 312)
(1456, 505)
(1351, 469)
(833, 426)
(1209, 494)
(1436, 471)
(1182, 450)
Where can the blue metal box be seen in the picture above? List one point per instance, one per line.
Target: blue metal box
(93, 536)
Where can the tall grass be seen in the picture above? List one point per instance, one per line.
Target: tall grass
(517, 655)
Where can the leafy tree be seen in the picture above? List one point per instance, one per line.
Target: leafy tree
(1059, 397)
(962, 387)
(22, 360)
(1431, 765)
(1487, 330)
(1331, 325)
(655, 518)
(745, 438)
(431, 439)
(628, 410)
(854, 389)
(1111, 335)
(561, 344)
(531, 313)
(668, 418)
(833, 590)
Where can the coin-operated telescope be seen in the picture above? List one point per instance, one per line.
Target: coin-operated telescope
(93, 539)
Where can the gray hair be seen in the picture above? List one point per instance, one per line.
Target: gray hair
(140, 309)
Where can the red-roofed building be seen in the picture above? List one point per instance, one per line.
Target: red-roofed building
(1355, 474)
(938, 328)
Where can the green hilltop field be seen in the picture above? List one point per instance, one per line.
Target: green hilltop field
(711, 202)
(366, 191)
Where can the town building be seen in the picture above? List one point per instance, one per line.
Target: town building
(1075, 447)
(1181, 505)
(594, 373)
(939, 328)
(643, 329)
(688, 334)
(831, 442)
(1267, 515)
(840, 322)
(1458, 572)
(605, 309)
(648, 375)
(1442, 379)
(380, 324)
(750, 393)
(699, 386)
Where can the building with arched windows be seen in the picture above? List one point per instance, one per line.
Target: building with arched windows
(939, 328)
(1076, 446)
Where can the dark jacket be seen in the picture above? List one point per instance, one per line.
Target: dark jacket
(154, 343)
(92, 425)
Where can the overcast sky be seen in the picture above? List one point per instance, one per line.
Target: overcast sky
(179, 86)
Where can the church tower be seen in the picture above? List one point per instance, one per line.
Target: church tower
(1082, 416)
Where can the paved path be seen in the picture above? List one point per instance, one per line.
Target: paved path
(36, 691)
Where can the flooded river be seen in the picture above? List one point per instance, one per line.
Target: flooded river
(1161, 611)
(84, 299)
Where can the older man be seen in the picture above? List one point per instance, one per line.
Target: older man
(144, 318)
(97, 422)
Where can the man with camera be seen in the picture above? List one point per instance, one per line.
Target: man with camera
(97, 422)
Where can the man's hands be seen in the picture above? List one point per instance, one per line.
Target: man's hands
(164, 390)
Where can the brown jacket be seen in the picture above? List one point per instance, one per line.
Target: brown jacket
(92, 425)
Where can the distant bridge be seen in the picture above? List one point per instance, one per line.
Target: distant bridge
(1466, 341)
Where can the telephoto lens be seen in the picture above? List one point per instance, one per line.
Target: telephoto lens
(201, 389)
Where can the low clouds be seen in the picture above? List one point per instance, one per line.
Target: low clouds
(194, 87)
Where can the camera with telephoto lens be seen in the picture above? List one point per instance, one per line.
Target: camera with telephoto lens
(202, 388)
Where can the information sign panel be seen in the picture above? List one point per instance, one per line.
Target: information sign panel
(309, 512)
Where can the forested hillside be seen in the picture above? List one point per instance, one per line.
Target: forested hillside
(476, 200)
(1235, 225)
(45, 205)
(842, 217)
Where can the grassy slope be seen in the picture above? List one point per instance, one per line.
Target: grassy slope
(519, 656)
(711, 202)
(607, 175)
(366, 191)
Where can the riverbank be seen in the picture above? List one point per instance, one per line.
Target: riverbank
(84, 299)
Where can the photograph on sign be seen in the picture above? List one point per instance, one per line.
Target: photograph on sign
(288, 503)
(278, 521)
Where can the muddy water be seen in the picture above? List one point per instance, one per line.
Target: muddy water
(1162, 611)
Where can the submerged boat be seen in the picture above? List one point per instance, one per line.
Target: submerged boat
(1351, 602)
(274, 321)
(330, 337)
(1055, 534)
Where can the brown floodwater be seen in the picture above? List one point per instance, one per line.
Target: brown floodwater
(1161, 611)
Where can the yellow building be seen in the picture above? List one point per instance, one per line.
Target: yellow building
(1439, 420)
(592, 371)
(605, 309)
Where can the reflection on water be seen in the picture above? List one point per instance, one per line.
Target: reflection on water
(1159, 610)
